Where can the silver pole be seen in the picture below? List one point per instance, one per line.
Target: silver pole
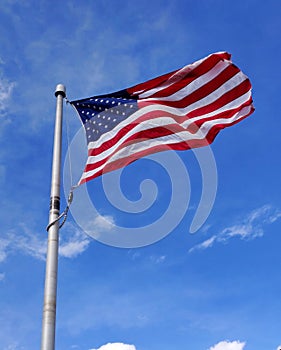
(50, 294)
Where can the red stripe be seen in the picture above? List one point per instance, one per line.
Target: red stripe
(180, 82)
(198, 94)
(206, 65)
(226, 98)
(142, 87)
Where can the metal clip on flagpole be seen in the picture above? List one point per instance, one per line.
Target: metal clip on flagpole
(50, 294)
(64, 213)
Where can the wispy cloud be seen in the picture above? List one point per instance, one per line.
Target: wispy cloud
(4, 244)
(2, 276)
(98, 225)
(157, 259)
(13, 347)
(226, 345)
(73, 242)
(104, 222)
(116, 346)
(251, 227)
(6, 88)
(26, 243)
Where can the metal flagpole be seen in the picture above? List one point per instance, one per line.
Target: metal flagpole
(50, 294)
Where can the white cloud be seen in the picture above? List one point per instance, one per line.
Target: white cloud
(73, 242)
(98, 225)
(6, 88)
(204, 245)
(157, 259)
(13, 347)
(2, 276)
(251, 227)
(104, 222)
(226, 345)
(116, 346)
(22, 240)
(4, 244)
(279, 347)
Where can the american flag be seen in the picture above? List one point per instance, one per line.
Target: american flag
(180, 110)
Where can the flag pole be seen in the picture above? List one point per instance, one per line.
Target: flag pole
(50, 293)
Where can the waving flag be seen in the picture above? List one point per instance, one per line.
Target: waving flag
(180, 110)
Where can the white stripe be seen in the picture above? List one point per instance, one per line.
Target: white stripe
(173, 138)
(160, 121)
(218, 93)
(191, 87)
(229, 106)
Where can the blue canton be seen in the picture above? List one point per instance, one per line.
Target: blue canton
(101, 114)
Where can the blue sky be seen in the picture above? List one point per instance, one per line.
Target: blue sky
(218, 289)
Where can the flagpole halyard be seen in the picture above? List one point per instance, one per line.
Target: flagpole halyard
(50, 293)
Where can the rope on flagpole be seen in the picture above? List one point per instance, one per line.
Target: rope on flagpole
(68, 146)
(65, 212)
